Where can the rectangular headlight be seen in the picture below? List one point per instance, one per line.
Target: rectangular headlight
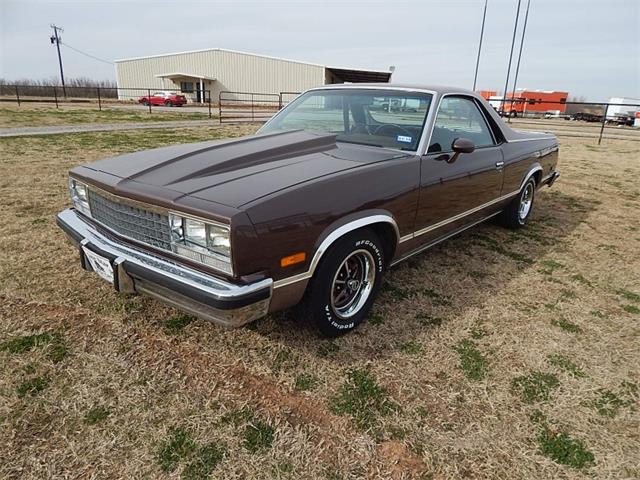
(79, 196)
(201, 241)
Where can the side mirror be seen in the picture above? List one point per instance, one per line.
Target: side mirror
(463, 145)
(459, 145)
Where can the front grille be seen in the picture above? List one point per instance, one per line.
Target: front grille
(136, 223)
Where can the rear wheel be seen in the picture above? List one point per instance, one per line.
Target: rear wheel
(517, 213)
(146, 103)
(167, 103)
(346, 283)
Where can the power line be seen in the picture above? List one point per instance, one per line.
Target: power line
(513, 42)
(484, 17)
(524, 29)
(86, 54)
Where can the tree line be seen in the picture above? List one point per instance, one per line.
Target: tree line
(75, 87)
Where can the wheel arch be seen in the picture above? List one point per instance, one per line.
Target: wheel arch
(380, 221)
(534, 171)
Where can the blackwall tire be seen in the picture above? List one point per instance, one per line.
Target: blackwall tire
(517, 213)
(346, 283)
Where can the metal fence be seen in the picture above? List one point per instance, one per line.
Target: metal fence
(234, 107)
(605, 121)
(588, 119)
(105, 97)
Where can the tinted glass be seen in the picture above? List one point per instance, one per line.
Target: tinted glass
(459, 117)
(381, 118)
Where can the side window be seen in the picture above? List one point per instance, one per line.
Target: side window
(459, 117)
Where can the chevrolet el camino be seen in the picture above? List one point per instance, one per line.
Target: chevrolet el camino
(340, 185)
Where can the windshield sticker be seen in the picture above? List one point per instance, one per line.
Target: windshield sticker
(404, 139)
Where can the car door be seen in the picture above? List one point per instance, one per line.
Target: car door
(157, 98)
(455, 194)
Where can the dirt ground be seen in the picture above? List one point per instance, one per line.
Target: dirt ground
(493, 355)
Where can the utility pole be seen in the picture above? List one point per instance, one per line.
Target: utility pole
(515, 79)
(513, 42)
(484, 16)
(55, 38)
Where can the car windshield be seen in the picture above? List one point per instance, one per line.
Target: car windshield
(381, 118)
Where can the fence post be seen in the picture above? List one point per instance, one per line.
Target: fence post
(209, 102)
(99, 101)
(220, 107)
(55, 96)
(604, 120)
(252, 114)
(280, 101)
(17, 95)
(149, 99)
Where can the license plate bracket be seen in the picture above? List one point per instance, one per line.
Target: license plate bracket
(102, 266)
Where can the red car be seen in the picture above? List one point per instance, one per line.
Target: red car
(168, 99)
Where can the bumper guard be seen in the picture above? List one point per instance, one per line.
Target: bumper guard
(135, 270)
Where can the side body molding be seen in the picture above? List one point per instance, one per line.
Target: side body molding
(334, 232)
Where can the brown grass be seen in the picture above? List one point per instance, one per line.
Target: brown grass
(41, 115)
(577, 263)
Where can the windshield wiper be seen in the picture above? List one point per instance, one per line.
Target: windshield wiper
(360, 143)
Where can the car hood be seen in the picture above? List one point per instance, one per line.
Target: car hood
(236, 172)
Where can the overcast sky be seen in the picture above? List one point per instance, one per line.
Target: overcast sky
(589, 48)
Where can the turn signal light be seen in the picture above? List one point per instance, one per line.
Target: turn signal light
(293, 259)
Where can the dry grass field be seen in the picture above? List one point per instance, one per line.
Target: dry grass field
(494, 355)
(43, 115)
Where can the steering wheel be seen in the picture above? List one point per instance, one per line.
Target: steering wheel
(361, 128)
(393, 127)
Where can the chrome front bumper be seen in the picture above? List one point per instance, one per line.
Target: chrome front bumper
(135, 270)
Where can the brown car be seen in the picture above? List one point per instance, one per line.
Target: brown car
(343, 183)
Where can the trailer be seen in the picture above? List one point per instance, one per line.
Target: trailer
(531, 102)
(622, 109)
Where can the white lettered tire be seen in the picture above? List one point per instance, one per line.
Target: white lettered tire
(346, 283)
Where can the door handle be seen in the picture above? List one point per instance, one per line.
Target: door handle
(499, 165)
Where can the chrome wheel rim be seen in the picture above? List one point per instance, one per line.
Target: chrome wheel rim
(526, 200)
(352, 283)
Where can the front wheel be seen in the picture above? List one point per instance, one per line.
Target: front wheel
(517, 213)
(346, 283)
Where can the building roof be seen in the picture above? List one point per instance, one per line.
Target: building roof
(180, 74)
(355, 76)
(250, 54)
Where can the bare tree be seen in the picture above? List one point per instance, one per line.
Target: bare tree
(76, 87)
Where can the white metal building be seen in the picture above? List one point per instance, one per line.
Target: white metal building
(216, 69)
(622, 107)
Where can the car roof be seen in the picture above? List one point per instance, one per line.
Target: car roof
(439, 89)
